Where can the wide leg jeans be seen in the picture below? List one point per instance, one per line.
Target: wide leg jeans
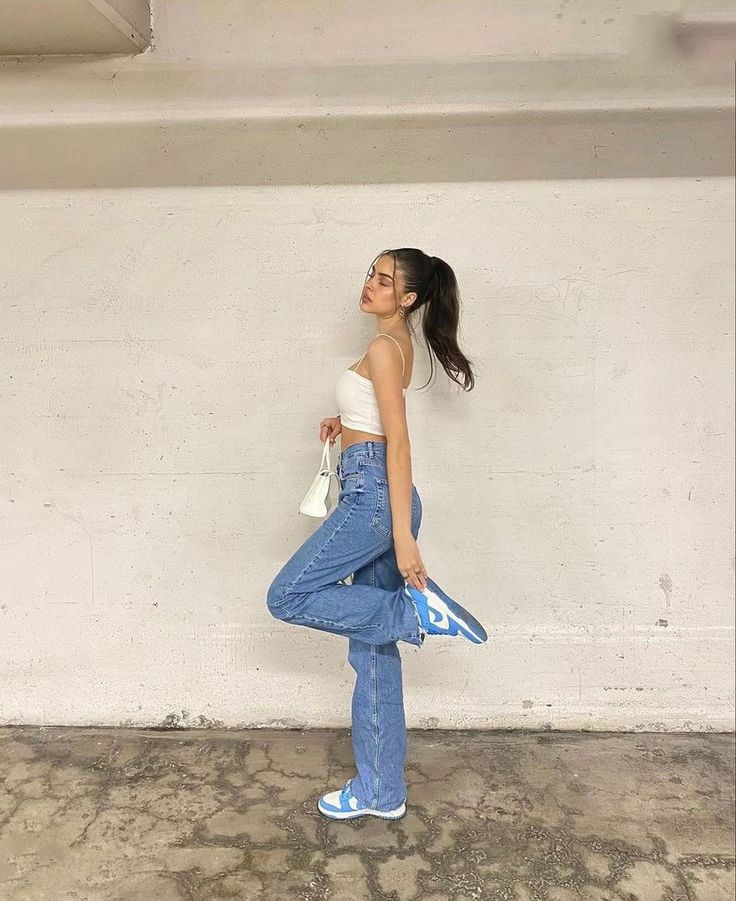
(373, 612)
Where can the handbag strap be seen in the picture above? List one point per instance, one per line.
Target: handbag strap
(326, 462)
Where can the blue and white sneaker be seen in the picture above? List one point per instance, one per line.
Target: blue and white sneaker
(439, 615)
(343, 805)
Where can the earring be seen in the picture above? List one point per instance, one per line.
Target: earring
(401, 311)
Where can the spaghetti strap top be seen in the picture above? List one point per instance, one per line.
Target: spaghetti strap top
(356, 398)
(403, 362)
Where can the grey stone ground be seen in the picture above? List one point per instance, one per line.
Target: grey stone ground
(146, 815)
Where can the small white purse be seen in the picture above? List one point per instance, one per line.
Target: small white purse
(315, 500)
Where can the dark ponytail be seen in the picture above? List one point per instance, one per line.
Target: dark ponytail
(438, 295)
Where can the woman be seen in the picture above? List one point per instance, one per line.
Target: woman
(371, 534)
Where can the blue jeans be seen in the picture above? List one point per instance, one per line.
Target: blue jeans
(373, 612)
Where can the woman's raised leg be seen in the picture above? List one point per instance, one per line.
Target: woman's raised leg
(309, 590)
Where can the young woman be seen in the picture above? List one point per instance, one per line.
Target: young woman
(371, 534)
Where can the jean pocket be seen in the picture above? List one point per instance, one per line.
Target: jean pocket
(382, 520)
(352, 483)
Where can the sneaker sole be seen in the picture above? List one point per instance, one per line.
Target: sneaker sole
(472, 629)
(396, 814)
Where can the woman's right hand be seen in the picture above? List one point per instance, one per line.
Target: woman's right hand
(329, 427)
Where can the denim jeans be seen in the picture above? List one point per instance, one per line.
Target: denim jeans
(373, 612)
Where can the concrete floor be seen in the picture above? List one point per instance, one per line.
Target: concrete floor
(146, 815)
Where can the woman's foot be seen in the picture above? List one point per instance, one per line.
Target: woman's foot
(343, 805)
(439, 614)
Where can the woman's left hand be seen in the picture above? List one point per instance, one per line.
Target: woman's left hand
(409, 561)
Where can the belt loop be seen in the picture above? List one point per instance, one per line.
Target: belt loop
(371, 449)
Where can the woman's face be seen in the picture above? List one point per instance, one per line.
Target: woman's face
(378, 292)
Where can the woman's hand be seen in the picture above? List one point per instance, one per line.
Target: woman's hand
(330, 426)
(409, 561)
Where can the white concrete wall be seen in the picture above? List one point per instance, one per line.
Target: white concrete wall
(167, 354)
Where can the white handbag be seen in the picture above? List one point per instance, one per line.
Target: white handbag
(315, 500)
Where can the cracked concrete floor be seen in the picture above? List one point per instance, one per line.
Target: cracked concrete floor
(184, 815)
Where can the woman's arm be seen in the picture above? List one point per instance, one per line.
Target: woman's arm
(398, 464)
(384, 365)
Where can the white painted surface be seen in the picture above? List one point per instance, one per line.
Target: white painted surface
(166, 355)
(167, 358)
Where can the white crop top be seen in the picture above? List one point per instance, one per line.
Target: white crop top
(356, 399)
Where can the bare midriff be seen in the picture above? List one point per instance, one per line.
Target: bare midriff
(353, 436)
